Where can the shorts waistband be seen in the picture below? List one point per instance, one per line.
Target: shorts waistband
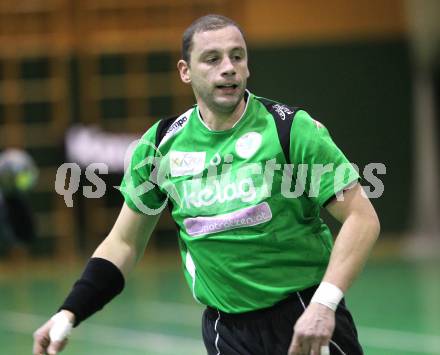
(306, 295)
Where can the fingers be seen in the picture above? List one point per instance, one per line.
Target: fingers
(319, 347)
(325, 350)
(41, 339)
(43, 345)
(40, 346)
(313, 331)
(300, 345)
(51, 338)
(315, 348)
(303, 344)
(56, 346)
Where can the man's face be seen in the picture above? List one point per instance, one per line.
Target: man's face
(218, 68)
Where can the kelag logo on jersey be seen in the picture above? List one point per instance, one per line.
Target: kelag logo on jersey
(249, 183)
(217, 191)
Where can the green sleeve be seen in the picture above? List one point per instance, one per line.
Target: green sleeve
(139, 185)
(311, 145)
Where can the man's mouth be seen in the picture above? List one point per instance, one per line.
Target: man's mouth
(227, 86)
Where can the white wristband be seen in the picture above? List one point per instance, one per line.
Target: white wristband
(61, 327)
(328, 295)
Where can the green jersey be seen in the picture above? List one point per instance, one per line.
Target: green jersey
(250, 232)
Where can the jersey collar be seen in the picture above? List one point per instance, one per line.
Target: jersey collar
(247, 97)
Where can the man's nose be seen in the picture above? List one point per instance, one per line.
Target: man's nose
(227, 67)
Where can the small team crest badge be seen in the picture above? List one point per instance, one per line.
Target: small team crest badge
(186, 163)
(248, 144)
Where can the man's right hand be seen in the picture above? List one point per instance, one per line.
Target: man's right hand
(42, 341)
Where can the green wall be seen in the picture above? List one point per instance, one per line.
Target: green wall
(362, 93)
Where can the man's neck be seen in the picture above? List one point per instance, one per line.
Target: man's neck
(217, 121)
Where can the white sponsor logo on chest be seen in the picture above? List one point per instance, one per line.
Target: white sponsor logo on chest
(248, 144)
(186, 163)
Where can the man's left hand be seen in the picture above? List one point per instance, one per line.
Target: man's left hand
(312, 330)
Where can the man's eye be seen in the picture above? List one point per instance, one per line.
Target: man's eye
(211, 59)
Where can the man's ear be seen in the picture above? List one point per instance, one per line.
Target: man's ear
(184, 71)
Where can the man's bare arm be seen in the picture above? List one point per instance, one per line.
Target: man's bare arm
(126, 242)
(359, 231)
(123, 247)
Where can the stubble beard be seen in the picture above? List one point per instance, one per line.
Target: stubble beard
(221, 107)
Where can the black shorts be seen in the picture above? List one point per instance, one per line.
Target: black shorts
(269, 331)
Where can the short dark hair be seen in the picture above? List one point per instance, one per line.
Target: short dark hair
(209, 22)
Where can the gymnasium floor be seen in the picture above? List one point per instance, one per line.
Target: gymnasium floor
(396, 305)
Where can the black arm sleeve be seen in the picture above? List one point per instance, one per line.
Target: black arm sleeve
(100, 282)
